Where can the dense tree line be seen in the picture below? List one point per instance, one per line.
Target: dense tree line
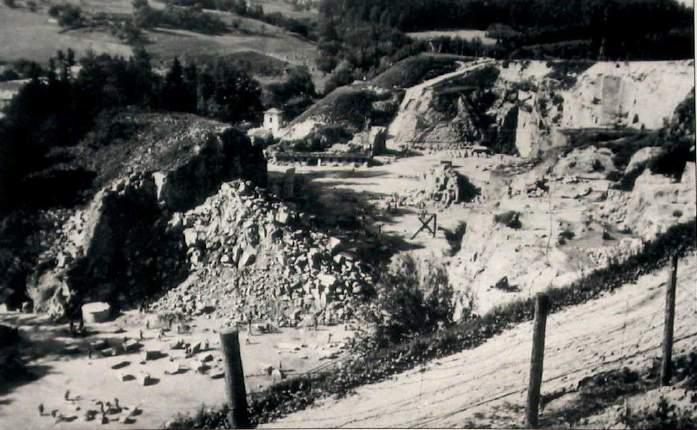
(57, 108)
(645, 16)
(304, 28)
(191, 18)
(360, 34)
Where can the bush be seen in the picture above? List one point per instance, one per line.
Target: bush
(414, 297)
(68, 15)
(510, 219)
(566, 72)
(9, 75)
(566, 235)
(664, 416)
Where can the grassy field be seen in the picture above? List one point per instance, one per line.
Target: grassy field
(31, 35)
(287, 9)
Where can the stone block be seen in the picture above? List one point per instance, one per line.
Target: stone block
(145, 379)
(125, 376)
(151, 354)
(96, 312)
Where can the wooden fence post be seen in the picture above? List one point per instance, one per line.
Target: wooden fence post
(234, 379)
(666, 363)
(435, 224)
(537, 360)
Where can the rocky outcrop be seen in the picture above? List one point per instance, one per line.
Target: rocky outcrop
(219, 157)
(123, 246)
(655, 204)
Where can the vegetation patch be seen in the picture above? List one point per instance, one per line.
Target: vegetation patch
(454, 237)
(602, 390)
(352, 107)
(510, 219)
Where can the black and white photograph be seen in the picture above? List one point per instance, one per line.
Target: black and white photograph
(322, 214)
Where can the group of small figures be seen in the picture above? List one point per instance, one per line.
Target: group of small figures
(105, 410)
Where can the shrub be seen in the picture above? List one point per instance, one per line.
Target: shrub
(468, 190)
(598, 166)
(567, 72)
(671, 162)
(68, 15)
(414, 297)
(9, 75)
(664, 416)
(454, 238)
(566, 235)
(504, 285)
(510, 219)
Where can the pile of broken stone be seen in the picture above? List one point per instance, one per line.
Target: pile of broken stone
(253, 258)
(440, 185)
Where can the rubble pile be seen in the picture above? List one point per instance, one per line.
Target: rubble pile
(443, 186)
(252, 258)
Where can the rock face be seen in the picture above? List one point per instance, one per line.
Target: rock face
(126, 244)
(251, 256)
(525, 106)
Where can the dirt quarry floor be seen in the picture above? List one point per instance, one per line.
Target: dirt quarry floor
(89, 380)
(485, 387)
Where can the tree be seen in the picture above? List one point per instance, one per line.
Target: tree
(175, 95)
(143, 14)
(236, 93)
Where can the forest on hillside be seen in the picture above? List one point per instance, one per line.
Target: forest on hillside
(365, 36)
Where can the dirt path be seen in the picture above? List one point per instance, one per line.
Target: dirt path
(486, 386)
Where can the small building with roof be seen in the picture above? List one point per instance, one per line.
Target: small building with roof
(273, 120)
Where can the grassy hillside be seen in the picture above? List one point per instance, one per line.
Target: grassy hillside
(417, 69)
(30, 35)
(287, 9)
